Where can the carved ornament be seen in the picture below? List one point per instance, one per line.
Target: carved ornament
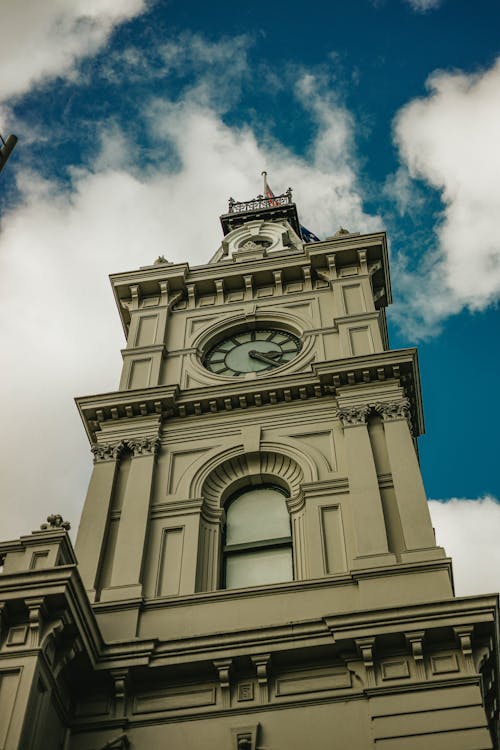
(144, 446)
(393, 409)
(354, 415)
(107, 451)
(55, 521)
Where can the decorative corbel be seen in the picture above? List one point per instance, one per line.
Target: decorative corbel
(120, 684)
(464, 635)
(415, 642)
(223, 667)
(244, 738)
(36, 615)
(261, 662)
(332, 266)
(278, 281)
(306, 272)
(248, 286)
(134, 297)
(219, 287)
(365, 648)
(362, 257)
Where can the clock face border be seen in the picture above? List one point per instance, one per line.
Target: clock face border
(254, 350)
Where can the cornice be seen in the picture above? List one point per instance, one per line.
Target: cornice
(57, 584)
(322, 382)
(177, 276)
(339, 628)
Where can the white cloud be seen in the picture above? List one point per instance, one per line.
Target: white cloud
(422, 6)
(469, 531)
(41, 40)
(59, 323)
(450, 139)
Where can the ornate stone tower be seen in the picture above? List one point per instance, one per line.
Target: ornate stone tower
(256, 562)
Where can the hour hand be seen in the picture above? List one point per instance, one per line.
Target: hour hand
(270, 358)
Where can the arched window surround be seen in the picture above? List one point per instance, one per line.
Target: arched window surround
(220, 481)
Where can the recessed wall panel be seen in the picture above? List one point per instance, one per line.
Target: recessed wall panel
(146, 330)
(332, 535)
(169, 565)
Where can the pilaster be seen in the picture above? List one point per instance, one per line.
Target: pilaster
(132, 530)
(366, 503)
(409, 490)
(91, 536)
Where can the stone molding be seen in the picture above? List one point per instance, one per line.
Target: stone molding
(231, 473)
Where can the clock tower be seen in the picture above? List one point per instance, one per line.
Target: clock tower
(257, 567)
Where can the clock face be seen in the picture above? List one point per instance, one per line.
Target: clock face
(252, 351)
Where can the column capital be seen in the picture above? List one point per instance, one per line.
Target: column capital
(351, 416)
(107, 451)
(144, 446)
(391, 411)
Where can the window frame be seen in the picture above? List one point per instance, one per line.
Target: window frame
(272, 543)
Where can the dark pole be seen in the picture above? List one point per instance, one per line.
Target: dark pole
(6, 149)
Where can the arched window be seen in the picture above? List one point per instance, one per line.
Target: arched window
(258, 544)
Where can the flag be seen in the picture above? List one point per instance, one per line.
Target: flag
(268, 193)
(308, 236)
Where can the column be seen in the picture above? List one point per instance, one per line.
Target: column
(93, 525)
(367, 512)
(131, 538)
(411, 500)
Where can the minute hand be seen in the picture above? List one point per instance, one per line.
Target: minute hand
(263, 357)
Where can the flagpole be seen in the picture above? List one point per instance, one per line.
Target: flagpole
(264, 175)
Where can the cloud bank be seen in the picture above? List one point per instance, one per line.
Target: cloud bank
(41, 40)
(449, 139)
(468, 530)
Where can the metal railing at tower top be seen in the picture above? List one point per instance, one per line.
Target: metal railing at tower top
(260, 202)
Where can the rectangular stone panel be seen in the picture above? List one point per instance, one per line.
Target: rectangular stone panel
(174, 698)
(361, 341)
(353, 299)
(313, 683)
(332, 537)
(444, 663)
(140, 371)
(9, 683)
(146, 330)
(395, 670)
(169, 564)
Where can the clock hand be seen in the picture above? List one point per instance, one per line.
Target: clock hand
(267, 357)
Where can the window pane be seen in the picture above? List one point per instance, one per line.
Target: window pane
(258, 568)
(256, 515)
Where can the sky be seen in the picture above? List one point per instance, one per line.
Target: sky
(138, 119)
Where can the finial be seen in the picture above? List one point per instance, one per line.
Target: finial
(55, 521)
(340, 231)
(161, 260)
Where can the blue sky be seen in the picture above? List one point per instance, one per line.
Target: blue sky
(137, 120)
